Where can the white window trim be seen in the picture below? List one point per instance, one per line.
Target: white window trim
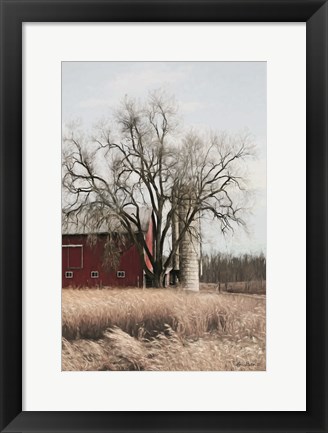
(94, 272)
(120, 272)
(69, 272)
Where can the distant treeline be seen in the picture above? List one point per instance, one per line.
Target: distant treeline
(224, 268)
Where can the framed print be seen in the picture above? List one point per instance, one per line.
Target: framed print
(93, 358)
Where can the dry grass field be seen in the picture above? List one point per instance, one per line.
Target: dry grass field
(253, 287)
(162, 330)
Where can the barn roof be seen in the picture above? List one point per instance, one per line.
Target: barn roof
(100, 223)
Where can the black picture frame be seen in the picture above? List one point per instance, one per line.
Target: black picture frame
(13, 14)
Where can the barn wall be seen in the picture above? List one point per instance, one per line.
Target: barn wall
(92, 261)
(149, 238)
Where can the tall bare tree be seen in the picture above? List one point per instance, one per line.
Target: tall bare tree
(142, 160)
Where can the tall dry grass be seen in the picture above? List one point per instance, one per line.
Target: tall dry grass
(118, 351)
(88, 313)
(166, 330)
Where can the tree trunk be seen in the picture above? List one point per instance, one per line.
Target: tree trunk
(159, 280)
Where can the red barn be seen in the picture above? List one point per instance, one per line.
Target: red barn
(84, 262)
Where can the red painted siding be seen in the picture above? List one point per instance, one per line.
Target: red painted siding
(85, 259)
(149, 238)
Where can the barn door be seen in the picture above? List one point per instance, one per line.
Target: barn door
(75, 257)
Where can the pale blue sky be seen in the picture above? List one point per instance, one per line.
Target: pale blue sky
(229, 96)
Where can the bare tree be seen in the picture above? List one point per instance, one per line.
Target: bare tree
(141, 160)
(227, 268)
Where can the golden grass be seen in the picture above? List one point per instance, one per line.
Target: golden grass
(162, 329)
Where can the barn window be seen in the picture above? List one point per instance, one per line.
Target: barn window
(94, 274)
(74, 254)
(68, 274)
(120, 274)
